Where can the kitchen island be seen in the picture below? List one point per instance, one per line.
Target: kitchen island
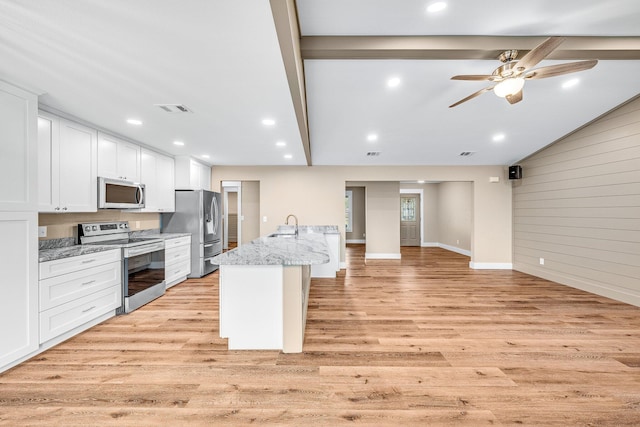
(264, 290)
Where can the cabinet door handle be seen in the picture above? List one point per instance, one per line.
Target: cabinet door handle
(177, 256)
(89, 309)
(88, 283)
(87, 261)
(57, 208)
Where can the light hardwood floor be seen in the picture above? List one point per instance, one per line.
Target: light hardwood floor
(418, 342)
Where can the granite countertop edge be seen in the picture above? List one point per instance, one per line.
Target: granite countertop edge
(306, 249)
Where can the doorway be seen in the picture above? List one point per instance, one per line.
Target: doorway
(410, 219)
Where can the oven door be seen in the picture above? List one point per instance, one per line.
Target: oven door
(143, 279)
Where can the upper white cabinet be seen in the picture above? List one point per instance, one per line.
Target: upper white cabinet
(18, 225)
(18, 169)
(157, 174)
(117, 158)
(192, 175)
(67, 159)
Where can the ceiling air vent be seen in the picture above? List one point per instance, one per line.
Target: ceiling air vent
(174, 108)
(373, 153)
(467, 153)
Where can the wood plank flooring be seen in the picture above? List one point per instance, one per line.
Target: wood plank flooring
(422, 341)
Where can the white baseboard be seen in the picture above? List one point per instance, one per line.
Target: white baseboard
(343, 265)
(430, 244)
(358, 241)
(381, 256)
(491, 265)
(454, 249)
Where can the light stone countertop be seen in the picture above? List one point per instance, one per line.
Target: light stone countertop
(321, 229)
(306, 249)
(52, 254)
(53, 249)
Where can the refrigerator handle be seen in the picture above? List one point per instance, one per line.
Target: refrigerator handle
(215, 214)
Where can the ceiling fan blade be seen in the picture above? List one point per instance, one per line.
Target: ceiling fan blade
(538, 53)
(473, 77)
(560, 69)
(473, 95)
(516, 97)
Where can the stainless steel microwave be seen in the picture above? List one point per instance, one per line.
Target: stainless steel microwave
(120, 194)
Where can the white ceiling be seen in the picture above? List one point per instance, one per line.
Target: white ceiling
(106, 61)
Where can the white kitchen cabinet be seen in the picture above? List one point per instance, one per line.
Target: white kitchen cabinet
(177, 255)
(157, 174)
(67, 159)
(77, 290)
(191, 174)
(333, 266)
(19, 287)
(18, 225)
(18, 149)
(117, 158)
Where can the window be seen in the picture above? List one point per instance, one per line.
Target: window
(407, 209)
(348, 211)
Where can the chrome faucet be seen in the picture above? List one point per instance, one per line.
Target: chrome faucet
(286, 222)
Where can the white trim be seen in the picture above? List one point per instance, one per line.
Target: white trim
(430, 244)
(454, 249)
(359, 241)
(381, 256)
(491, 265)
(343, 265)
(606, 290)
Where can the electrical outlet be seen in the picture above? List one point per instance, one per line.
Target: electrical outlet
(541, 261)
(137, 225)
(457, 242)
(264, 218)
(42, 231)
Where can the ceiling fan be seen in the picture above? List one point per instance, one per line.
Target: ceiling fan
(511, 75)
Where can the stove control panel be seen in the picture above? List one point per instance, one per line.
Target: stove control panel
(103, 228)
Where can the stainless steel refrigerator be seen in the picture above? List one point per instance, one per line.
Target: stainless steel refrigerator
(198, 212)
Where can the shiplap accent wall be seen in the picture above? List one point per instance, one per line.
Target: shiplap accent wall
(578, 207)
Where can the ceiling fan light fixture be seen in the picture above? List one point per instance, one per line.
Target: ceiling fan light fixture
(509, 86)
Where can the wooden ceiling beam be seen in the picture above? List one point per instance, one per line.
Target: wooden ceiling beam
(462, 47)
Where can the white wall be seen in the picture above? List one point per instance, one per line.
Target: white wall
(316, 195)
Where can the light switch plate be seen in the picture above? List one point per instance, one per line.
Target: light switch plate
(42, 231)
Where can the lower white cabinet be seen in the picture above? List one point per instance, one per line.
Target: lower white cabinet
(177, 256)
(76, 290)
(329, 269)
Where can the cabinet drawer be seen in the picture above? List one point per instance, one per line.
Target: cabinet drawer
(67, 287)
(180, 241)
(175, 255)
(176, 271)
(63, 318)
(76, 263)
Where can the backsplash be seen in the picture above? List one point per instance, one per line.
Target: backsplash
(61, 226)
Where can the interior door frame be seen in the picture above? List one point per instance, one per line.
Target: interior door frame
(421, 193)
(231, 187)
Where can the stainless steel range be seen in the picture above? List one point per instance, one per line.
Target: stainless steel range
(142, 258)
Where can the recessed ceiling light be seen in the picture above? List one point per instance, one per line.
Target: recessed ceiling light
(570, 83)
(436, 7)
(268, 122)
(372, 137)
(393, 82)
(205, 156)
(499, 137)
(281, 143)
(288, 156)
(180, 143)
(134, 122)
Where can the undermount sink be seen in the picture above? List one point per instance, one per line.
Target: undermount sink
(282, 235)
